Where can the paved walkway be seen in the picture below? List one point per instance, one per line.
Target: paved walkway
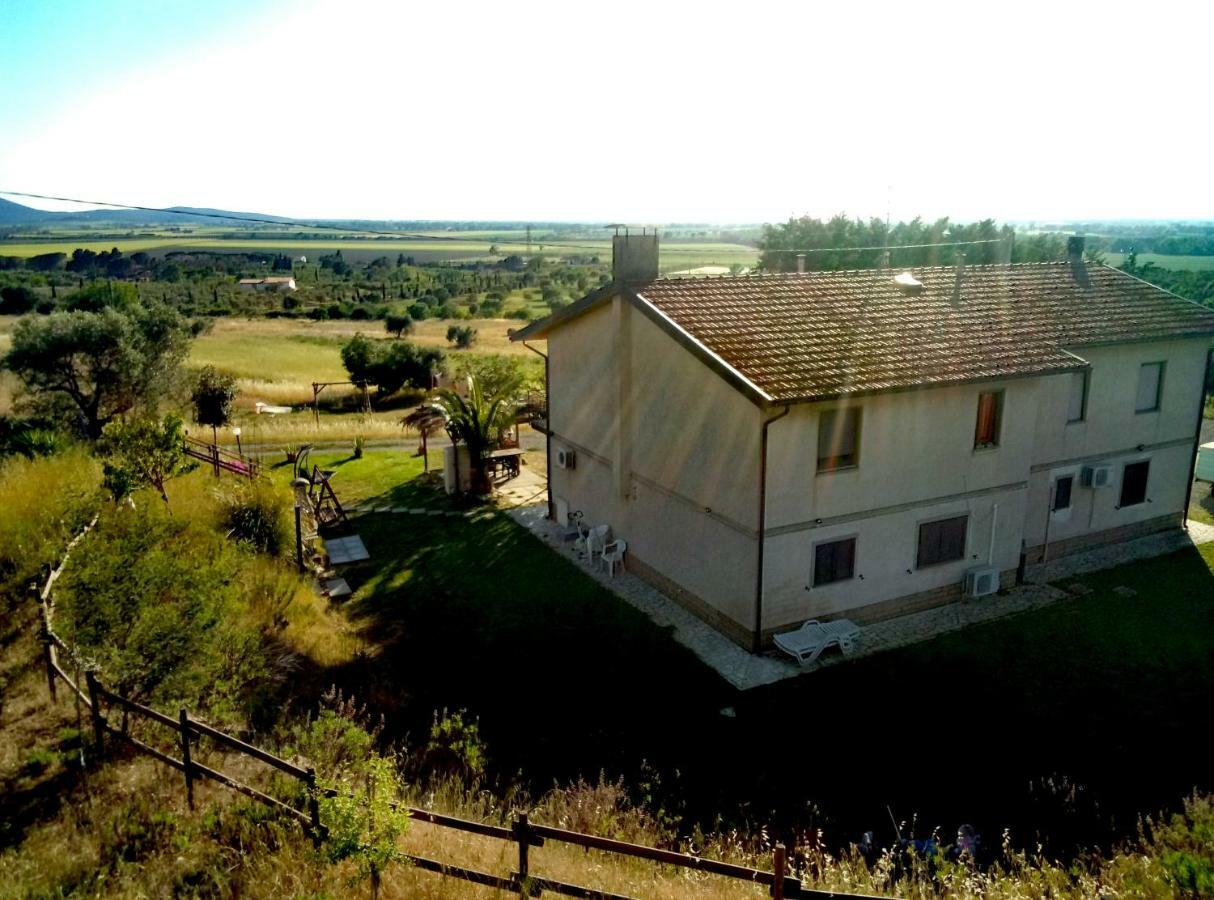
(745, 670)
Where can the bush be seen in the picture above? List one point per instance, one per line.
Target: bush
(462, 336)
(258, 512)
(17, 300)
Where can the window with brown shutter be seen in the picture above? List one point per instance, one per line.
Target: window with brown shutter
(941, 541)
(990, 415)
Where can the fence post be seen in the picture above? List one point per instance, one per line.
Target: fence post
(48, 647)
(778, 868)
(522, 835)
(313, 807)
(215, 458)
(90, 678)
(185, 758)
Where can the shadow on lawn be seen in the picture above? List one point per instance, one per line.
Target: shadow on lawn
(1065, 722)
(476, 613)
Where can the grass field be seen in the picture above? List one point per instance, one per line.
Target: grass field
(1165, 262)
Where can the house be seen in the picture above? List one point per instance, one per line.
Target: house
(276, 283)
(868, 443)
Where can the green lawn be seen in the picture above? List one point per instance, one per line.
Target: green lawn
(380, 477)
(1072, 718)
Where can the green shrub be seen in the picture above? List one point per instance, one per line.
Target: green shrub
(258, 512)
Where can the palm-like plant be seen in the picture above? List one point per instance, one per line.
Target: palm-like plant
(425, 420)
(477, 420)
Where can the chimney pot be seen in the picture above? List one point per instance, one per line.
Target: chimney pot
(800, 263)
(1074, 252)
(1074, 246)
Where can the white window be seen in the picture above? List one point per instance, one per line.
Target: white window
(1150, 386)
(1077, 404)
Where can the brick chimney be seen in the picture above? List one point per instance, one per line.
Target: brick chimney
(1074, 255)
(634, 257)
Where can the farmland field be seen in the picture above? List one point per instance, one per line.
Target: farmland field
(436, 247)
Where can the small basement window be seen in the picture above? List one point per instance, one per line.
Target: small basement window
(1062, 492)
(838, 439)
(1134, 483)
(834, 561)
(990, 419)
(941, 541)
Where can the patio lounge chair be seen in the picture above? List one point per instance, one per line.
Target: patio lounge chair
(807, 642)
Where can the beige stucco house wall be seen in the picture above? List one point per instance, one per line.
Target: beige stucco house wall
(685, 496)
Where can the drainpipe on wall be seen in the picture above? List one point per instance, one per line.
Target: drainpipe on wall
(1201, 408)
(548, 431)
(758, 635)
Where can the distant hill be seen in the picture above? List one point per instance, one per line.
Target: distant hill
(17, 214)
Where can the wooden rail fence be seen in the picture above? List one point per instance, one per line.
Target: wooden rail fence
(526, 834)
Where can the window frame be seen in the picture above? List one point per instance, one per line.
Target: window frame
(1146, 483)
(999, 396)
(919, 564)
(822, 467)
(1083, 403)
(1163, 368)
(814, 584)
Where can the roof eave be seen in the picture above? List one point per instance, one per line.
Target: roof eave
(1079, 365)
(538, 330)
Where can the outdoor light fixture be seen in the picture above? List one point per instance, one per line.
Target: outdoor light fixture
(236, 431)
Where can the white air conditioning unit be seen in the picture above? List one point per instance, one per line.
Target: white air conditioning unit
(1096, 476)
(566, 458)
(981, 581)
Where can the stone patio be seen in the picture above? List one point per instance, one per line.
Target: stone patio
(745, 670)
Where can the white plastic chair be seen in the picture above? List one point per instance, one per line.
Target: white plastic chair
(614, 553)
(596, 541)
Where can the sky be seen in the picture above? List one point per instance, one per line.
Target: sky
(640, 112)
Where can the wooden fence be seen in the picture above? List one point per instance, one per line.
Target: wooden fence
(525, 834)
(220, 459)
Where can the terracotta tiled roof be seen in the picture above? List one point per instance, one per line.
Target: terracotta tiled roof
(826, 334)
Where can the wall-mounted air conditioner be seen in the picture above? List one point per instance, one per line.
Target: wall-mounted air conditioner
(1096, 476)
(565, 458)
(981, 581)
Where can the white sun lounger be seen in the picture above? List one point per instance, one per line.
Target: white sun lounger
(807, 642)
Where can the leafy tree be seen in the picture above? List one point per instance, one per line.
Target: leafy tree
(99, 295)
(398, 323)
(213, 395)
(389, 365)
(16, 300)
(102, 364)
(462, 336)
(141, 453)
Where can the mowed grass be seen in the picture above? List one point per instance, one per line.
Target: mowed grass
(1163, 261)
